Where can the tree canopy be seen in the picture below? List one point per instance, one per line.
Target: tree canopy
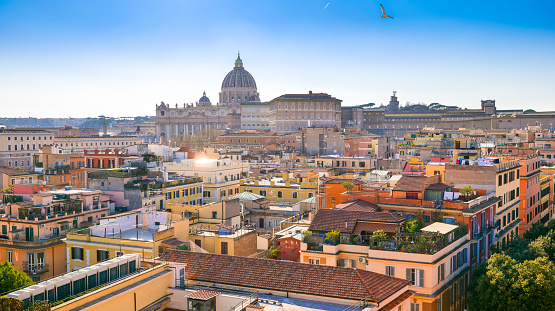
(520, 275)
(508, 285)
(11, 278)
(348, 185)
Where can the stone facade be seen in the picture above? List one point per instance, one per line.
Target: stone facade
(291, 112)
(238, 87)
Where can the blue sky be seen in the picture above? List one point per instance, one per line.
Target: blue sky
(121, 57)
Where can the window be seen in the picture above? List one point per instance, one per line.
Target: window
(441, 272)
(280, 194)
(185, 192)
(224, 248)
(390, 270)
(414, 306)
(426, 218)
(214, 215)
(314, 261)
(168, 195)
(77, 253)
(416, 277)
(412, 195)
(295, 195)
(119, 254)
(263, 193)
(9, 256)
(102, 255)
(176, 194)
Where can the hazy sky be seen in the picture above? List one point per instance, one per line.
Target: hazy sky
(120, 57)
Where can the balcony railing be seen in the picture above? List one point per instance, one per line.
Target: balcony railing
(35, 268)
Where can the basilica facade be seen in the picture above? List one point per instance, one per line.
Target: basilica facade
(238, 87)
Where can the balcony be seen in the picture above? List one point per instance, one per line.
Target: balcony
(35, 268)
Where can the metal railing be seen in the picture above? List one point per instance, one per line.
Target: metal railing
(35, 268)
(359, 305)
(253, 298)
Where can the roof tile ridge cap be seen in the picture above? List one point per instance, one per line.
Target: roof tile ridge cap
(365, 285)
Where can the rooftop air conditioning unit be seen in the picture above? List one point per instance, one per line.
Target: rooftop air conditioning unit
(362, 259)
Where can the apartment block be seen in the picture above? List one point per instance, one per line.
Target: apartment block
(32, 232)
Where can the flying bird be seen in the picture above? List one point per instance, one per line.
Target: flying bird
(326, 6)
(383, 12)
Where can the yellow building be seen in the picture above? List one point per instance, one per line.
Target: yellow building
(221, 176)
(138, 232)
(283, 187)
(436, 168)
(226, 212)
(184, 190)
(226, 241)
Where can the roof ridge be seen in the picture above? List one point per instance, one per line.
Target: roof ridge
(364, 283)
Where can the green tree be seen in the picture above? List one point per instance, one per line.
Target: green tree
(348, 185)
(508, 285)
(379, 235)
(39, 306)
(10, 304)
(467, 193)
(412, 226)
(11, 278)
(333, 236)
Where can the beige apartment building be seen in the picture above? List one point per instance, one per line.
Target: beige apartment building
(31, 232)
(220, 176)
(498, 175)
(290, 112)
(17, 147)
(78, 144)
(435, 260)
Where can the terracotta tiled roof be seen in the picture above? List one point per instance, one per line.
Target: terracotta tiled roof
(397, 301)
(438, 186)
(371, 227)
(358, 205)
(13, 172)
(255, 306)
(341, 180)
(331, 219)
(411, 183)
(203, 294)
(292, 277)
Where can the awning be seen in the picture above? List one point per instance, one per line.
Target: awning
(373, 226)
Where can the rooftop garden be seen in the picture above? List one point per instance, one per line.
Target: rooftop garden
(413, 242)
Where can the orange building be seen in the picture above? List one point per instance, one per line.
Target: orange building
(104, 159)
(333, 188)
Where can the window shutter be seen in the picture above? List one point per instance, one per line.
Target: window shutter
(392, 271)
(342, 262)
(421, 278)
(409, 274)
(72, 253)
